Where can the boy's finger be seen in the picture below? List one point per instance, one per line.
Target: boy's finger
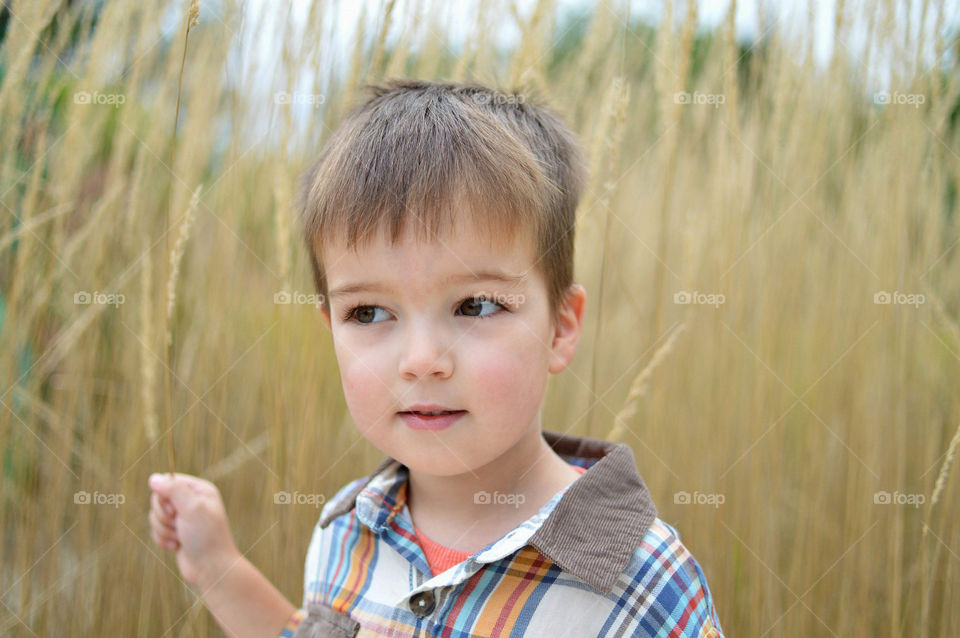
(181, 488)
(163, 532)
(157, 522)
(164, 541)
(162, 506)
(167, 505)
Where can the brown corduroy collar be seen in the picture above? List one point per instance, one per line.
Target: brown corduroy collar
(598, 523)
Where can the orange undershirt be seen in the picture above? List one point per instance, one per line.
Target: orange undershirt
(441, 558)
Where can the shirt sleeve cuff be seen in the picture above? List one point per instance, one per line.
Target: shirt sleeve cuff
(292, 623)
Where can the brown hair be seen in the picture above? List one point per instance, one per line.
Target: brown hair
(414, 150)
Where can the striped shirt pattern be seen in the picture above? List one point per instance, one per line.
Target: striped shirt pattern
(366, 575)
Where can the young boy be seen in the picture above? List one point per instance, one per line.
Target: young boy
(440, 222)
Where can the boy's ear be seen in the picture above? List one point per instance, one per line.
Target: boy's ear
(566, 333)
(326, 316)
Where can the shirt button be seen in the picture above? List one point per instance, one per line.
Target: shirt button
(422, 604)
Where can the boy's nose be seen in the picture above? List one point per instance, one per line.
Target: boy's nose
(424, 354)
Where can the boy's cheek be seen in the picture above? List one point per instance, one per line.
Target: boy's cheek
(505, 383)
(357, 358)
(361, 380)
(367, 405)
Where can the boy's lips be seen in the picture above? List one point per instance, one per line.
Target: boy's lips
(418, 420)
(428, 407)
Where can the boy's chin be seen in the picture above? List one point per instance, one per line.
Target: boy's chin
(446, 467)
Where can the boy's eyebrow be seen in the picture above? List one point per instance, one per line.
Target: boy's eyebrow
(484, 275)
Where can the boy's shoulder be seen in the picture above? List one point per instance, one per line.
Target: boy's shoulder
(677, 592)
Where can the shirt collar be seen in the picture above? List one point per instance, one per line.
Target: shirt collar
(593, 530)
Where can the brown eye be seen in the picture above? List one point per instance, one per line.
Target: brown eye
(473, 306)
(365, 311)
(364, 315)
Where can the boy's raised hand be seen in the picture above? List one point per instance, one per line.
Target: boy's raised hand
(187, 516)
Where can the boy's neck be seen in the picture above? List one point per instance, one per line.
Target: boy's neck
(444, 508)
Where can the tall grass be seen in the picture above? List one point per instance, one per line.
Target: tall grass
(819, 415)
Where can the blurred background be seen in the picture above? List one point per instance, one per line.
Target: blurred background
(769, 244)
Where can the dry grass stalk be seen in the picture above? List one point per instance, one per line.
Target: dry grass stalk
(470, 48)
(148, 363)
(356, 61)
(235, 460)
(397, 63)
(176, 256)
(615, 118)
(32, 224)
(382, 39)
(731, 62)
(944, 471)
(281, 199)
(193, 19)
(526, 65)
(930, 566)
(640, 385)
(672, 141)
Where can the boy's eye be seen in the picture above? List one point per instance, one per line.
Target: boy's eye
(475, 305)
(364, 314)
(470, 307)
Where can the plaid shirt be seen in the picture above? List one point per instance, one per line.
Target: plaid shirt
(593, 561)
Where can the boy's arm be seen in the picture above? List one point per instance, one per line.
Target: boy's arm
(187, 516)
(244, 603)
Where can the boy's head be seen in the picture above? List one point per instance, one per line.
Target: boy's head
(420, 194)
(416, 154)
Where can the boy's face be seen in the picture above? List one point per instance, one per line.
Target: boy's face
(422, 338)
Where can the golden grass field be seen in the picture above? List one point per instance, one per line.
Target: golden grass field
(769, 247)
